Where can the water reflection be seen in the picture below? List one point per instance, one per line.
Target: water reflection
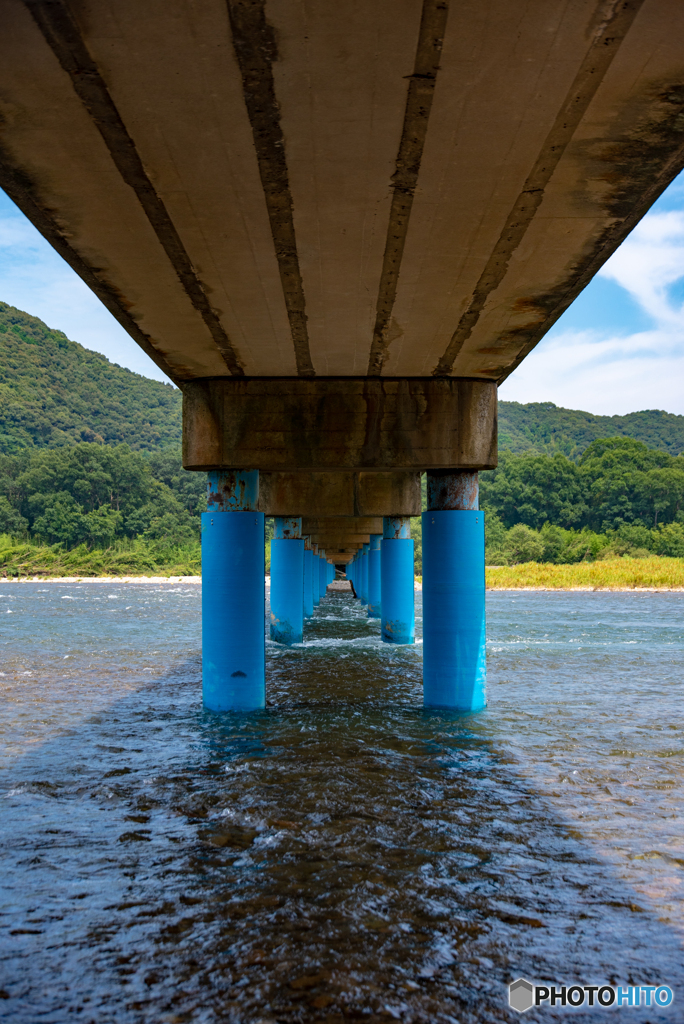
(344, 854)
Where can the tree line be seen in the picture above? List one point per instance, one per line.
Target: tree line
(620, 497)
(94, 494)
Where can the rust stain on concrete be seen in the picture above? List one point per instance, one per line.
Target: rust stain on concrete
(256, 51)
(405, 178)
(62, 35)
(606, 40)
(645, 155)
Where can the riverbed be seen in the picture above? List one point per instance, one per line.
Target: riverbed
(344, 854)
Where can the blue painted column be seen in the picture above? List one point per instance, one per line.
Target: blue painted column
(374, 577)
(315, 589)
(454, 663)
(322, 574)
(364, 573)
(398, 621)
(308, 580)
(287, 581)
(233, 593)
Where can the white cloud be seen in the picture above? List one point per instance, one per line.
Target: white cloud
(650, 260)
(610, 373)
(607, 376)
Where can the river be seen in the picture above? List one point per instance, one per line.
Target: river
(343, 855)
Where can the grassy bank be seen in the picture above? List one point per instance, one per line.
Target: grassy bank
(21, 558)
(124, 558)
(618, 573)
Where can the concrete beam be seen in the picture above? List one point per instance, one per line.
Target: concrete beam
(366, 524)
(340, 557)
(522, 148)
(339, 423)
(340, 541)
(340, 494)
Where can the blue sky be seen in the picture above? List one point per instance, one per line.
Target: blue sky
(620, 346)
(618, 349)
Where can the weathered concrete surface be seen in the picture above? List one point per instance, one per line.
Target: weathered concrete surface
(405, 187)
(340, 541)
(448, 491)
(339, 494)
(365, 424)
(357, 524)
(341, 533)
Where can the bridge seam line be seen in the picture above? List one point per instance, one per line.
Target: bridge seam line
(419, 99)
(605, 45)
(61, 33)
(21, 191)
(255, 48)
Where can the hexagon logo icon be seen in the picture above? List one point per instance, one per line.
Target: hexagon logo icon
(521, 995)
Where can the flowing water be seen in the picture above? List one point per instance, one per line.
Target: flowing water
(343, 855)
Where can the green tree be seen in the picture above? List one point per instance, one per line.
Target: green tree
(629, 483)
(669, 540)
(60, 519)
(10, 520)
(523, 545)
(535, 489)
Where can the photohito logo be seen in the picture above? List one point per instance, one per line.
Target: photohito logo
(523, 995)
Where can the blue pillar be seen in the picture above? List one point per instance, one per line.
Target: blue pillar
(287, 581)
(374, 577)
(364, 574)
(322, 575)
(398, 623)
(454, 638)
(233, 593)
(308, 581)
(315, 588)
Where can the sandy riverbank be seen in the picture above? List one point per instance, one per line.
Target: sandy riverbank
(520, 584)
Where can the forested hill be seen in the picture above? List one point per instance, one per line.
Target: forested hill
(541, 427)
(55, 392)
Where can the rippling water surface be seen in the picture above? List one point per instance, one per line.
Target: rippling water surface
(343, 855)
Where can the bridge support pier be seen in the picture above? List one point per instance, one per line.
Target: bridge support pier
(364, 573)
(322, 575)
(454, 666)
(287, 581)
(308, 580)
(348, 454)
(315, 576)
(233, 593)
(397, 581)
(374, 577)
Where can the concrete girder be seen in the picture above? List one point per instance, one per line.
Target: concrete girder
(347, 423)
(500, 160)
(339, 494)
(340, 540)
(365, 524)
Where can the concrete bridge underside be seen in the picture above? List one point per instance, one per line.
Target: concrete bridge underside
(271, 188)
(338, 226)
